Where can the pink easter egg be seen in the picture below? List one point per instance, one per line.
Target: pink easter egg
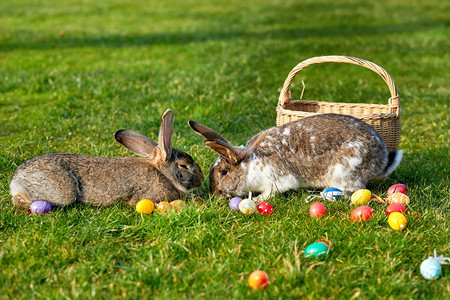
(397, 188)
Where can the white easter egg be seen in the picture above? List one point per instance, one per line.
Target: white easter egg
(430, 268)
(247, 206)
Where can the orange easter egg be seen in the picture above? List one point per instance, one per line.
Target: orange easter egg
(258, 280)
(164, 206)
(398, 198)
(178, 204)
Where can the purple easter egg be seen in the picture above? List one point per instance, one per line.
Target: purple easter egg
(40, 207)
(234, 203)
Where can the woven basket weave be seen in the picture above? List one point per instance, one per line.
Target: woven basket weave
(384, 118)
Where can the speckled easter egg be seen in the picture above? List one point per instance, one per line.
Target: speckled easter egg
(397, 188)
(398, 198)
(332, 193)
(361, 197)
(430, 268)
(234, 203)
(145, 206)
(40, 207)
(395, 207)
(361, 213)
(317, 210)
(397, 221)
(247, 206)
(265, 208)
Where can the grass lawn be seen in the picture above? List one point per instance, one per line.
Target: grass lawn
(74, 72)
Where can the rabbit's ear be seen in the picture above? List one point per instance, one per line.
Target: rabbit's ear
(207, 133)
(136, 142)
(165, 135)
(231, 154)
(218, 144)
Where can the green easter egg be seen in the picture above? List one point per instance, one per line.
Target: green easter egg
(317, 250)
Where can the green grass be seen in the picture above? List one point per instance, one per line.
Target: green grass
(89, 68)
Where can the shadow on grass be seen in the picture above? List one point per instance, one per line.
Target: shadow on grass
(29, 40)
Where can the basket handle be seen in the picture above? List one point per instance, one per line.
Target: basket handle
(394, 101)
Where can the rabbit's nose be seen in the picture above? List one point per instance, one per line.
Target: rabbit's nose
(199, 179)
(220, 193)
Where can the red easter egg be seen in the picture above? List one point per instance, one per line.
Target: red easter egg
(317, 210)
(397, 188)
(395, 207)
(265, 208)
(361, 213)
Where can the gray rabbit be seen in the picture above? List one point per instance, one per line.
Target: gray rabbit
(63, 178)
(327, 150)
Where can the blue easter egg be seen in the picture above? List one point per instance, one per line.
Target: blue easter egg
(430, 268)
(318, 250)
(234, 203)
(332, 193)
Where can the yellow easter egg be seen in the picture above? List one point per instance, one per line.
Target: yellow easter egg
(361, 197)
(164, 206)
(178, 204)
(145, 206)
(397, 221)
(398, 198)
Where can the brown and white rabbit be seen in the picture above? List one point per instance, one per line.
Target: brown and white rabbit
(63, 178)
(327, 150)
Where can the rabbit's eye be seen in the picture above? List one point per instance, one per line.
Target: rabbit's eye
(224, 172)
(183, 166)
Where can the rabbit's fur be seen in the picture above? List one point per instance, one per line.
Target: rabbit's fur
(327, 150)
(63, 178)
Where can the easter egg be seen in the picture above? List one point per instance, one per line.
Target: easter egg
(234, 203)
(332, 193)
(398, 198)
(40, 207)
(163, 206)
(397, 221)
(317, 210)
(395, 207)
(247, 206)
(361, 197)
(325, 242)
(178, 204)
(361, 213)
(430, 268)
(318, 250)
(265, 208)
(145, 206)
(397, 188)
(258, 280)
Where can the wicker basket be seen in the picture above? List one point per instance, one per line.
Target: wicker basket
(384, 118)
